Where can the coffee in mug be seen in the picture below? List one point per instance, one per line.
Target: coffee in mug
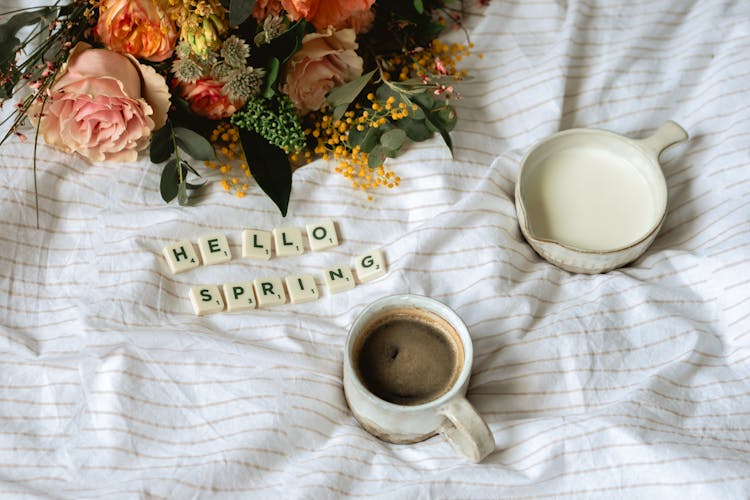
(408, 356)
(407, 363)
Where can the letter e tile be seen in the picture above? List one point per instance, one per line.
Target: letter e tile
(256, 244)
(288, 241)
(302, 288)
(338, 279)
(181, 256)
(322, 235)
(239, 296)
(370, 266)
(269, 291)
(214, 249)
(206, 299)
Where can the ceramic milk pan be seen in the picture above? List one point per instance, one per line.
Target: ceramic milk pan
(590, 200)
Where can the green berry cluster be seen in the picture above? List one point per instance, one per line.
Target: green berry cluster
(273, 118)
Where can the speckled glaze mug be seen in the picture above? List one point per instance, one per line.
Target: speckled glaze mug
(406, 418)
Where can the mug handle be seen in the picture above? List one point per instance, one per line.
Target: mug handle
(668, 134)
(465, 430)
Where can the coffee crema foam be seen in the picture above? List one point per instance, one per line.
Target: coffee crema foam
(408, 356)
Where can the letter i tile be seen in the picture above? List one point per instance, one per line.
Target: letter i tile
(214, 249)
(269, 291)
(302, 288)
(181, 256)
(206, 299)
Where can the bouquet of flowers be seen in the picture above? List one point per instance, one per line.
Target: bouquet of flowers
(251, 88)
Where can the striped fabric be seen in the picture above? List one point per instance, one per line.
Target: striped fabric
(633, 384)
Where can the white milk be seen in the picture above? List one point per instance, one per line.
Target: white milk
(588, 198)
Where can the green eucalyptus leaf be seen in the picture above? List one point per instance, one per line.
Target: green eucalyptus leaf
(393, 139)
(194, 144)
(419, 6)
(376, 157)
(239, 11)
(339, 111)
(416, 130)
(348, 92)
(162, 146)
(432, 120)
(270, 167)
(272, 74)
(447, 117)
(170, 180)
(365, 139)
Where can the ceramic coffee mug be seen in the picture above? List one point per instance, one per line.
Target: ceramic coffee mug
(397, 421)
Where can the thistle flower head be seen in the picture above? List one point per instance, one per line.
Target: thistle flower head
(187, 70)
(235, 51)
(242, 84)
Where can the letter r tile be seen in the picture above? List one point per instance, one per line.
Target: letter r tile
(181, 256)
(269, 291)
(214, 249)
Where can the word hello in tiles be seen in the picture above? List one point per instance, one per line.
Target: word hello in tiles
(247, 295)
(214, 248)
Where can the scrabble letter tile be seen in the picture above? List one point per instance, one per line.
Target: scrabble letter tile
(206, 299)
(239, 296)
(302, 288)
(256, 244)
(214, 249)
(370, 266)
(181, 256)
(269, 291)
(322, 235)
(288, 241)
(338, 279)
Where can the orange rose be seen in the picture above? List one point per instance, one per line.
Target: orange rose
(324, 13)
(206, 99)
(141, 28)
(326, 60)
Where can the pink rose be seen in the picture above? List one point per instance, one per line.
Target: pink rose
(206, 99)
(103, 105)
(265, 8)
(326, 60)
(324, 13)
(141, 28)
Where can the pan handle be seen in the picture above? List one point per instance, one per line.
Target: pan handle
(669, 134)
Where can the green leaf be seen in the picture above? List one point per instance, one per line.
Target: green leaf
(419, 6)
(376, 157)
(162, 145)
(239, 11)
(365, 139)
(345, 94)
(416, 130)
(272, 74)
(447, 117)
(432, 119)
(393, 139)
(170, 180)
(182, 195)
(270, 168)
(194, 144)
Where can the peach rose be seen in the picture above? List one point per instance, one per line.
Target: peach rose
(206, 99)
(326, 60)
(264, 8)
(141, 28)
(103, 105)
(324, 13)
